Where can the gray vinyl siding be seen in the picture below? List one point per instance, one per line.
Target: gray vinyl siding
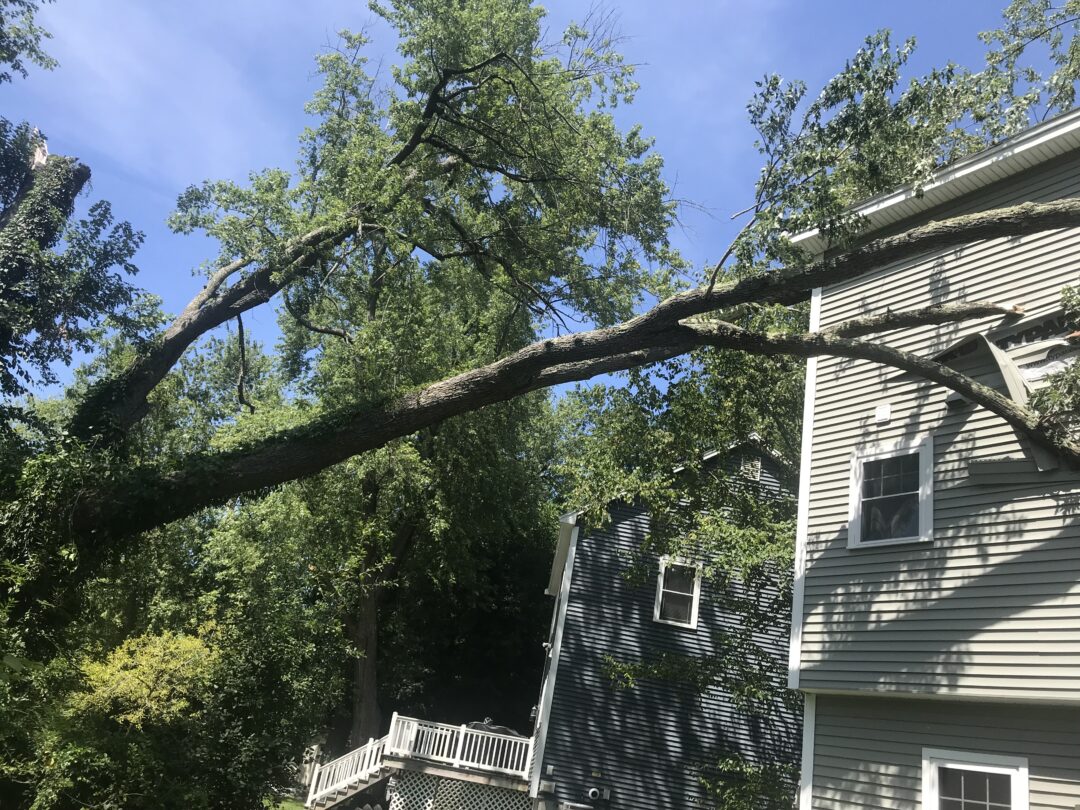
(648, 743)
(868, 751)
(990, 607)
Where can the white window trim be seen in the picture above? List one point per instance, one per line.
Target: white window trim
(925, 448)
(665, 561)
(933, 758)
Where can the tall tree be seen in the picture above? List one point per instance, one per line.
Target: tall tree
(491, 175)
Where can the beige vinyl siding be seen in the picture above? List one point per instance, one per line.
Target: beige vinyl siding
(868, 751)
(990, 607)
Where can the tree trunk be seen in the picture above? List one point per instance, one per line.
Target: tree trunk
(34, 222)
(363, 629)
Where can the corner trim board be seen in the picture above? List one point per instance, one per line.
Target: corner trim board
(567, 523)
(806, 768)
(799, 584)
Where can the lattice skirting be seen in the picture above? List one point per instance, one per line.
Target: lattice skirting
(421, 791)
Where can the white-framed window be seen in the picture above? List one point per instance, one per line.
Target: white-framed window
(961, 780)
(678, 591)
(892, 494)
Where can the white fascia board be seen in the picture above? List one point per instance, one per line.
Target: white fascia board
(562, 547)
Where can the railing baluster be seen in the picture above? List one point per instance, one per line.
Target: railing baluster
(459, 745)
(314, 783)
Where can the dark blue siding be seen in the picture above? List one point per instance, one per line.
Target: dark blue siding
(648, 743)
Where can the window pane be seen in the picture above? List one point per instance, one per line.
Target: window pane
(975, 786)
(964, 789)
(901, 474)
(871, 479)
(675, 607)
(679, 578)
(999, 789)
(950, 783)
(888, 518)
(910, 481)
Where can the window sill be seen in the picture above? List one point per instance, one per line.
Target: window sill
(676, 624)
(896, 541)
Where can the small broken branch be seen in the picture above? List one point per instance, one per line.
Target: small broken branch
(313, 327)
(937, 314)
(241, 397)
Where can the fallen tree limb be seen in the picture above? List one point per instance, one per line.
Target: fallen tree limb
(121, 401)
(159, 497)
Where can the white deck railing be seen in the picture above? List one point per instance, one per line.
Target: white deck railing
(357, 766)
(460, 746)
(457, 746)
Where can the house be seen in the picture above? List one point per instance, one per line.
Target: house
(646, 747)
(596, 743)
(936, 607)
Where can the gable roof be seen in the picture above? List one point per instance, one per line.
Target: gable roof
(568, 521)
(1025, 150)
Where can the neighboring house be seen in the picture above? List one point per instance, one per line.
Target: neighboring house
(597, 744)
(936, 614)
(646, 747)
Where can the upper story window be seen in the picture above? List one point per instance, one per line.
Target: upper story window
(892, 490)
(958, 780)
(678, 590)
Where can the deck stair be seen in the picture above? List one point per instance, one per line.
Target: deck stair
(347, 775)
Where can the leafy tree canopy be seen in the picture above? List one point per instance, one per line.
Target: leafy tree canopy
(195, 494)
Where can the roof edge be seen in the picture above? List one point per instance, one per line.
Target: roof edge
(1032, 146)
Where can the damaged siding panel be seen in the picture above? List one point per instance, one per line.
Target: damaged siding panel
(1004, 564)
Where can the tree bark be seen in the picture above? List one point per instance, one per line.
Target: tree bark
(363, 629)
(114, 405)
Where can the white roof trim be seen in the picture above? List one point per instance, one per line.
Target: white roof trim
(567, 523)
(1026, 149)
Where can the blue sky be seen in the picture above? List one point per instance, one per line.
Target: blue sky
(155, 95)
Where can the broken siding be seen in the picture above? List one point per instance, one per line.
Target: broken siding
(646, 744)
(868, 751)
(992, 605)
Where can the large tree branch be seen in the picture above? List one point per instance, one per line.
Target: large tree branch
(116, 403)
(434, 100)
(121, 400)
(1021, 418)
(160, 498)
(791, 287)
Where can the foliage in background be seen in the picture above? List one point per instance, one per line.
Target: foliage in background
(21, 38)
(1059, 400)
(737, 784)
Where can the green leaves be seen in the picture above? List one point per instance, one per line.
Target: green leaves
(1033, 64)
(21, 38)
(58, 287)
(739, 784)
